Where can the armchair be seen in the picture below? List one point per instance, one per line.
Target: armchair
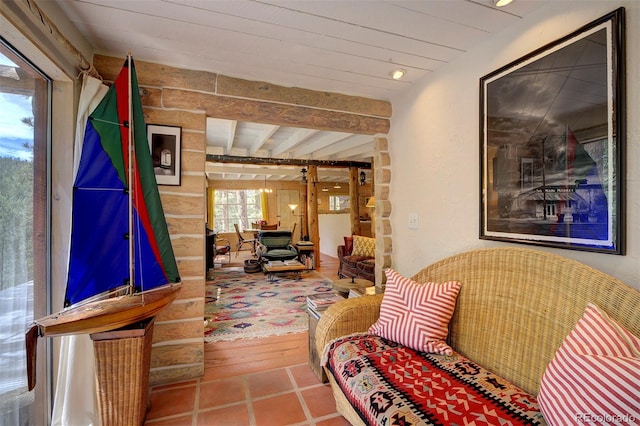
(356, 258)
(275, 245)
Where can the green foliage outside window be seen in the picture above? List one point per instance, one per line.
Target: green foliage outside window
(241, 206)
(16, 222)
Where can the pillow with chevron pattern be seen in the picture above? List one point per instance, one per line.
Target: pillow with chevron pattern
(593, 377)
(417, 315)
(363, 246)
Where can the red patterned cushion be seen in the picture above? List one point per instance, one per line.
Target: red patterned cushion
(416, 315)
(594, 377)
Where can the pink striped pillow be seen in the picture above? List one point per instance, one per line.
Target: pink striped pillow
(595, 375)
(416, 315)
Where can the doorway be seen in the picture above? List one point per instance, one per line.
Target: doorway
(287, 218)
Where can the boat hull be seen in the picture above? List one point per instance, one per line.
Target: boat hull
(96, 317)
(107, 314)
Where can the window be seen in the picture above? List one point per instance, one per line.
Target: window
(338, 202)
(240, 206)
(24, 169)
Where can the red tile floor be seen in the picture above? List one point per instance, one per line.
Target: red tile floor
(282, 396)
(259, 382)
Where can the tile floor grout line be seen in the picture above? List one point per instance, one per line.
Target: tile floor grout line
(281, 393)
(298, 393)
(196, 405)
(249, 401)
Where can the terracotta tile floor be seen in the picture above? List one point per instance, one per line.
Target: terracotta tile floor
(271, 394)
(282, 396)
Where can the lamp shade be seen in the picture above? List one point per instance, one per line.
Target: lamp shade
(371, 202)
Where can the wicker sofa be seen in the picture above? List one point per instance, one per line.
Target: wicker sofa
(514, 309)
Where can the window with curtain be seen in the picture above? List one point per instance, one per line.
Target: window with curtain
(241, 206)
(24, 167)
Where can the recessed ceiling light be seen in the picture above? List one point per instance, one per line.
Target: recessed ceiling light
(500, 3)
(398, 74)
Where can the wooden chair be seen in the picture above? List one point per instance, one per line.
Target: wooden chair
(269, 227)
(242, 241)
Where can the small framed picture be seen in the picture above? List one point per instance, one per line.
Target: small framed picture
(165, 143)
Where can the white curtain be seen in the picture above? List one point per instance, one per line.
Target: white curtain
(75, 397)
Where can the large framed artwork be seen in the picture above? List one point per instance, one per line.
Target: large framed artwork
(165, 143)
(552, 133)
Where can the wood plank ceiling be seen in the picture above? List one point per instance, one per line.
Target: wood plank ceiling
(347, 46)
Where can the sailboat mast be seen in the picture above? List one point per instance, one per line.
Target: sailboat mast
(131, 149)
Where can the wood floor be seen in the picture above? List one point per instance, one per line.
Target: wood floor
(228, 359)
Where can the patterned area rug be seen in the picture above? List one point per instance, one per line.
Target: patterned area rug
(243, 306)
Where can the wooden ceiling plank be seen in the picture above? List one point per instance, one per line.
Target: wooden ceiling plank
(297, 138)
(365, 143)
(231, 136)
(323, 141)
(263, 138)
(361, 151)
(407, 23)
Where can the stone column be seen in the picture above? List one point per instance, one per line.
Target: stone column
(382, 211)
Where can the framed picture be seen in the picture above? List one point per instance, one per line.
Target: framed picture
(165, 143)
(552, 133)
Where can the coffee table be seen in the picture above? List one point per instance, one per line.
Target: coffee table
(279, 267)
(344, 285)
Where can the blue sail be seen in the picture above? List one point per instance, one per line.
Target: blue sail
(99, 252)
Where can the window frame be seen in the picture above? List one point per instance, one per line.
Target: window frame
(42, 100)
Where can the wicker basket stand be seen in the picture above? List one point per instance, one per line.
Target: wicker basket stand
(123, 359)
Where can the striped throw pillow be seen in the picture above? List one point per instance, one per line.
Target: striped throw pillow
(416, 315)
(594, 377)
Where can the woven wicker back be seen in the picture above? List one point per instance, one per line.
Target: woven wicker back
(517, 305)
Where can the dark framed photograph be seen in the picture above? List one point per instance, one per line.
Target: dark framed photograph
(165, 143)
(552, 136)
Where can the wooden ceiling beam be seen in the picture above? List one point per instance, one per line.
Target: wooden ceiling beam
(286, 162)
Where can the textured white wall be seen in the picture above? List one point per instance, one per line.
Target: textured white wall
(333, 229)
(434, 145)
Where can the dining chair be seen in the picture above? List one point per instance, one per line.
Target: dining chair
(242, 241)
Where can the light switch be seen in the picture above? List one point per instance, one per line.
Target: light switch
(413, 220)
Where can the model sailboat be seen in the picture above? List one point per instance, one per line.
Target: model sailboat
(122, 268)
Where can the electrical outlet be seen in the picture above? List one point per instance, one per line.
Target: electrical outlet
(413, 220)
